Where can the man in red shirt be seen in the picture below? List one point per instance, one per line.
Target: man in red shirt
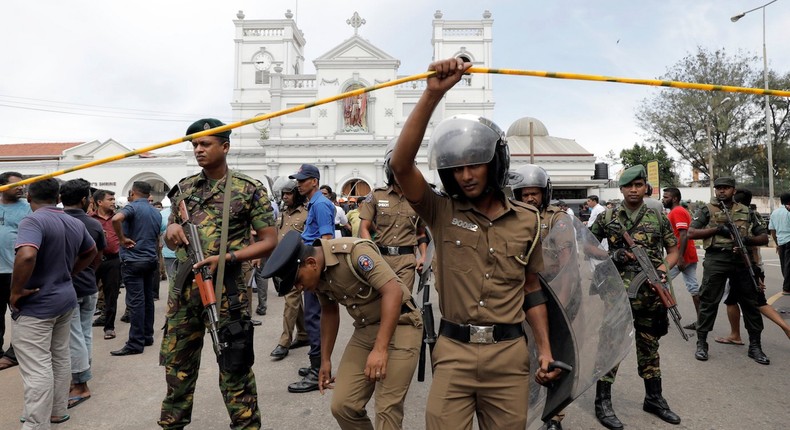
(680, 219)
(108, 275)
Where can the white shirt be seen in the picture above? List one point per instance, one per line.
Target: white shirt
(594, 212)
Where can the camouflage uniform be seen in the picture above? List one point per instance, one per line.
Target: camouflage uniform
(185, 329)
(654, 233)
(721, 264)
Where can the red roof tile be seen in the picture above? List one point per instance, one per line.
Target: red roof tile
(35, 149)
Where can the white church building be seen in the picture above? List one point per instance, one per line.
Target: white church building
(345, 139)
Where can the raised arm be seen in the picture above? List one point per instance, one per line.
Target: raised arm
(411, 181)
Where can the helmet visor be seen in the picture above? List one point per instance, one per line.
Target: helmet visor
(463, 140)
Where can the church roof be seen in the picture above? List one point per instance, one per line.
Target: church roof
(17, 151)
(355, 50)
(544, 144)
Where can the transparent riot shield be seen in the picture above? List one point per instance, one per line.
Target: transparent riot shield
(590, 322)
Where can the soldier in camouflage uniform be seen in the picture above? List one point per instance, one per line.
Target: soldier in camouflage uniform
(722, 262)
(651, 229)
(182, 343)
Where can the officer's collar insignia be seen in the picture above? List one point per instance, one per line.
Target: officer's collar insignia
(365, 263)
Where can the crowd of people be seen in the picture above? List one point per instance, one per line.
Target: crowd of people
(322, 251)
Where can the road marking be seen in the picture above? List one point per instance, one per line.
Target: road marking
(774, 298)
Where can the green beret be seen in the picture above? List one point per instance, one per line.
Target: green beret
(724, 182)
(632, 173)
(206, 124)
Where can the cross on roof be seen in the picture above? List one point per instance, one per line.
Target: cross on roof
(355, 21)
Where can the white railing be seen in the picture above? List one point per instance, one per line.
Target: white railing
(456, 32)
(299, 82)
(264, 31)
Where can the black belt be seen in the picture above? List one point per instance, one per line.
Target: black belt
(106, 257)
(718, 250)
(468, 333)
(396, 250)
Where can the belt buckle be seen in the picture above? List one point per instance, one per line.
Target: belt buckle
(481, 334)
(392, 250)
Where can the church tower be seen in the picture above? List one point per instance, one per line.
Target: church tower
(263, 48)
(471, 40)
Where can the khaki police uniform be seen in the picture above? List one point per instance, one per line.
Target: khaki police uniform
(293, 312)
(353, 274)
(482, 268)
(397, 226)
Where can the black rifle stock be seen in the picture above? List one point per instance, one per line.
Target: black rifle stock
(203, 277)
(654, 280)
(742, 251)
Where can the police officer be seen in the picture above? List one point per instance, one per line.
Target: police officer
(488, 272)
(531, 184)
(398, 230)
(204, 194)
(649, 228)
(383, 351)
(292, 217)
(723, 263)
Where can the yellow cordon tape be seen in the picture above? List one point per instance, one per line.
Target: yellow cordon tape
(516, 72)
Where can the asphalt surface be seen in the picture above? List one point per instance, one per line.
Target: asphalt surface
(730, 391)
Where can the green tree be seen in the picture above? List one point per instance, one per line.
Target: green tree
(681, 118)
(642, 154)
(755, 169)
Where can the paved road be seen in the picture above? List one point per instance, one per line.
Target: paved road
(730, 391)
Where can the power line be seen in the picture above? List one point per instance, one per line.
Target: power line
(94, 107)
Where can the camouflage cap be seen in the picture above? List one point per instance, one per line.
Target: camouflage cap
(724, 182)
(632, 173)
(206, 124)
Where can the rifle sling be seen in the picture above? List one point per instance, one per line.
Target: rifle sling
(233, 300)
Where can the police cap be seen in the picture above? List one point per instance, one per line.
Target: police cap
(284, 262)
(724, 182)
(632, 173)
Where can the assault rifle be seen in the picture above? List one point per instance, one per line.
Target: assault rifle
(428, 326)
(654, 280)
(203, 276)
(742, 251)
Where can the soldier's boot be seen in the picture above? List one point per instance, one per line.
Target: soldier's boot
(310, 381)
(553, 425)
(756, 350)
(603, 406)
(655, 402)
(702, 346)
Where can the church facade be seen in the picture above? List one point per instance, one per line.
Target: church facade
(347, 138)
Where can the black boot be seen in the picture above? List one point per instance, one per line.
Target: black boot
(756, 350)
(553, 425)
(655, 402)
(603, 406)
(310, 381)
(702, 346)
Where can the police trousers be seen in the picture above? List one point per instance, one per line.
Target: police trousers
(403, 266)
(352, 392)
(491, 380)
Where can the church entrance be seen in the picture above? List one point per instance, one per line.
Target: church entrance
(355, 188)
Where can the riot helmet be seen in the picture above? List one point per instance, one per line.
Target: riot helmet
(530, 175)
(464, 140)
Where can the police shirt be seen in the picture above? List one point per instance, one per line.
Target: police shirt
(482, 262)
(347, 260)
(395, 221)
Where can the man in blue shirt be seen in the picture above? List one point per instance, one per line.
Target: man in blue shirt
(779, 226)
(320, 224)
(138, 225)
(13, 207)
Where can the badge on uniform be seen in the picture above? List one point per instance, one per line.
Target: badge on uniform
(384, 203)
(365, 263)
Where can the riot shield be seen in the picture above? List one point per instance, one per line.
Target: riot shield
(590, 322)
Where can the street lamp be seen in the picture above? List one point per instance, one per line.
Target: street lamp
(768, 141)
(713, 112)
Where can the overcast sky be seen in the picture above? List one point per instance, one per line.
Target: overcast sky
(140, 72)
